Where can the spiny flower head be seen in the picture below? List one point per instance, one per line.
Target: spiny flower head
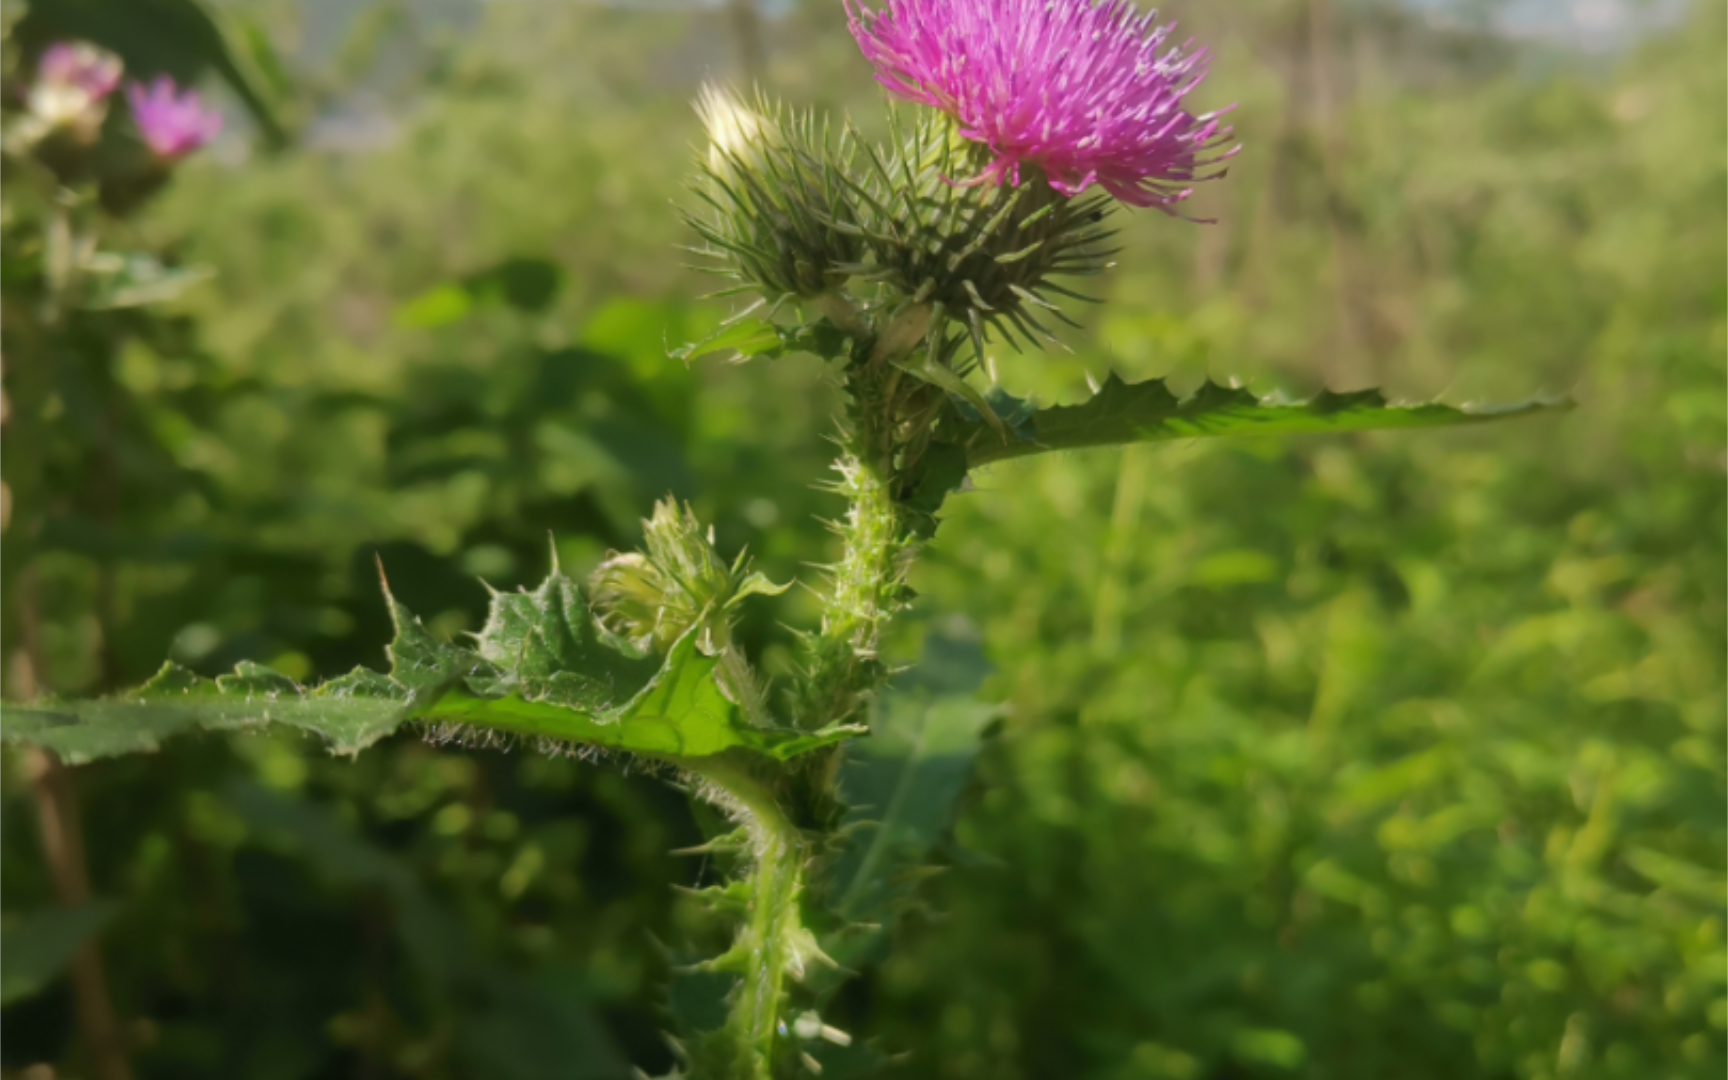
(172, 122)
(1089, 92)
(780, 206)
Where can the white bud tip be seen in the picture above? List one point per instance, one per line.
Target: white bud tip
(732, 126)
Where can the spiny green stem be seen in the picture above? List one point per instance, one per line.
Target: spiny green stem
(773, 929)
(868, 586)
(867, 589)
(842, 667)
(772, 942)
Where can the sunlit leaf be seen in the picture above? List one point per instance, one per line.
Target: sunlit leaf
(1121, 413)
(352, 713)
(539, 669)
(680, 713)
(523, 284)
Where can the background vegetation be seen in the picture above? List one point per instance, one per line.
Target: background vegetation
(1343, 758)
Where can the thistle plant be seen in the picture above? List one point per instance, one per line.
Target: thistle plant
(1021, 127)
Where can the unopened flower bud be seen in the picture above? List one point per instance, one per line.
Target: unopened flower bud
(627, 592)
(653, 598)
(780, 207)
(70, 93)
(735, 131)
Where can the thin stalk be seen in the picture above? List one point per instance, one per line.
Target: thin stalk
(62, 838)
(63, 847)
(25, 387)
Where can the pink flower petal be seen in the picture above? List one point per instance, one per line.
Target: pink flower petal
(1089, 92)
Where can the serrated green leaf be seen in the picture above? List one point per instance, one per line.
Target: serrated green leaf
(940, 471)
(756, 584)
(543, 646)
(420, 662)
(541, 669)
(251, 678)
(1121, 413)
(39, 946)
(352, 713)
(680, 713)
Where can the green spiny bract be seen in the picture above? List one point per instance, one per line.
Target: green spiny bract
(982, 255)
(782, 215)
(653, 598)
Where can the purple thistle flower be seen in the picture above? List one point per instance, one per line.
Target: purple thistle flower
(81, 66)
(1080, 90)
(172, 122)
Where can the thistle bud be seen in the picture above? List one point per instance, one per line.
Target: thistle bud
(781, 211)
(71, 88)
(627, 593)
(734, 129)
(653, 598)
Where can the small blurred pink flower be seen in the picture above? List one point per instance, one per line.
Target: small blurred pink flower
(1077, 88)
(172, 122)
(80, 65)
(70, 91)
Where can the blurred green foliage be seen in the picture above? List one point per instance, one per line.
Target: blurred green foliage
(1345, 757)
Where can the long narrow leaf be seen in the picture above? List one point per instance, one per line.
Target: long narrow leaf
(1121, 413)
